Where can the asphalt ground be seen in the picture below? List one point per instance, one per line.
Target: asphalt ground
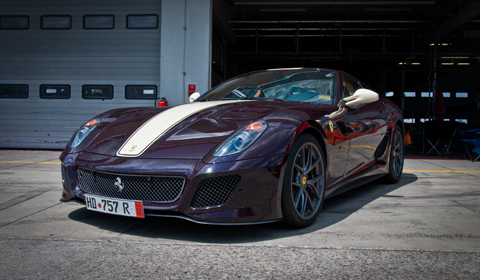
(427, 226)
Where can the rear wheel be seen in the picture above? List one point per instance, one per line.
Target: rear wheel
(304, 183)
(395, 165)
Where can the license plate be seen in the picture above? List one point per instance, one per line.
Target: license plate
(123, 207)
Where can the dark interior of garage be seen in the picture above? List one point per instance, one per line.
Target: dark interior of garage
(404, 50)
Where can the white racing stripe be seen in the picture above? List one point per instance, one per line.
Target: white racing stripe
(159, 124)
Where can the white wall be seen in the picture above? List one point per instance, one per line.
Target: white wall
(185, 48)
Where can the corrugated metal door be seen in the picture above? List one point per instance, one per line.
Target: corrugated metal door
(75, 56)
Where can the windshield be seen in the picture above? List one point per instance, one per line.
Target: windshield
(305, 85)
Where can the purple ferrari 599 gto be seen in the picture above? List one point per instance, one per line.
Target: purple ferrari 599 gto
(262, 147)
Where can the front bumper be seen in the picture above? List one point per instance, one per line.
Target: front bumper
(254, 196)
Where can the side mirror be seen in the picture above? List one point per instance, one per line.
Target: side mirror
(194, 96)
(361, 96)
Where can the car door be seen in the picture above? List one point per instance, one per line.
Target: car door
(366, 125)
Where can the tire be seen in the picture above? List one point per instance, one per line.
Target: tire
(303, 187)
(396, 161)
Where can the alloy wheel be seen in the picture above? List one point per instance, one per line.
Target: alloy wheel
(397, 147)
(307, 180)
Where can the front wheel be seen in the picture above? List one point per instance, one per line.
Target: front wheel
(304, 183)
(395, 164)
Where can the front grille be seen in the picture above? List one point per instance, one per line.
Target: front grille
(215, 191)
(159, 189)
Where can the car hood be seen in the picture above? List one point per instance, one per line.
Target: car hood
(186, 131)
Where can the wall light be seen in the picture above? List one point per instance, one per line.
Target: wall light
(454, 57)
(440, 44)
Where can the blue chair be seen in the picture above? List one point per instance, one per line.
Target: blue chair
(472, 145)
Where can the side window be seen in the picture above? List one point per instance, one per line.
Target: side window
(350, 86)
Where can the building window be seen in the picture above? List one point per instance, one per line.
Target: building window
(56, 22)
(13, 91)
(98, 22)
(14, 22)
(97, 91)
(140, 92)
(461, 95)
(142, 21)
(55, 91)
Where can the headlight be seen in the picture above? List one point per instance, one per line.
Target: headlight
(83, 132)
(241, 140)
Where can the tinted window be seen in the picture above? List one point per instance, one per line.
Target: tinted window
(13, 91)
(14, 22)
(142, 21)
(98, 22)
(56, 22)
(97, 91)
(55, 91)
(141, 92)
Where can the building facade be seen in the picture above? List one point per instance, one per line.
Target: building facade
(63, 62)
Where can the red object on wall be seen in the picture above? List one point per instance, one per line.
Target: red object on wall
(163, 102)
(191, 89)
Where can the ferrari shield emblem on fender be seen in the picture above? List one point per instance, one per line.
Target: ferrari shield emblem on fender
(330, 123)
(119, 185)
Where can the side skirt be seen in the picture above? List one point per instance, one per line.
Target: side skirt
(352, 183)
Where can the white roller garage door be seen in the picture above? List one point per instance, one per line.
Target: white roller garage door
(50, 50)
